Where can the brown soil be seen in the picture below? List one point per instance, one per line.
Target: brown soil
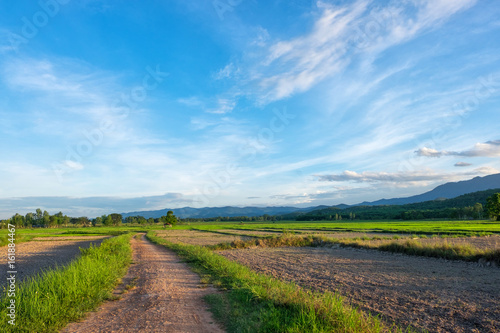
(201, 238)
(36, 256)
(167, 298)
(426, 293)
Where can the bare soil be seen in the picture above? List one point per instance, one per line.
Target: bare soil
(36, 256)
(426, 293)
(168, 297)
(201, 238)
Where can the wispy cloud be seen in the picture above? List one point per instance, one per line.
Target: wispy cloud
(230, 71)
(462, 164)
(369, 177)
(400, 177)
(65, 95)
(339, 34)
(214, 105)
(224, 106)
(487, 149)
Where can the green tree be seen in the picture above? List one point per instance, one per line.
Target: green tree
(478, 210)
(107, 220)
(38, 216)
(493, 206)
(66, 219)
(60, 219)
(46, 219)
(53, 221)
(169, 219)
(84, 221)
(17, 220)
(116, 219)
(98, 221)
(28, 220)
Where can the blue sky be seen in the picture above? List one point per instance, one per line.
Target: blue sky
(124, 106)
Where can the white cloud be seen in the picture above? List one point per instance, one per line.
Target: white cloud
(192, 101)
(487, 149)
(215, 105)
(224, 106)
(400, 177)
(339, 34)
(462, 164)
(229, 71)
(73, 165)
(368, 177)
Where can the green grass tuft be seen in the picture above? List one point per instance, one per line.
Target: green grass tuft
(48, 301)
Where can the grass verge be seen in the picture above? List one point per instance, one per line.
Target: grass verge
(258, 303)
(4, 239)
(47, 302)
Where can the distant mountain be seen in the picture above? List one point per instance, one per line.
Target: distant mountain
(221, 211)
(445, 191)
(434, 209)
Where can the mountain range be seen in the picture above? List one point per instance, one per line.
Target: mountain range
(444, 191)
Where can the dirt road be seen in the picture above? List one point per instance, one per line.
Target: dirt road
(167, 298)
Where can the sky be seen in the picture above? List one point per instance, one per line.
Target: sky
(116, 106)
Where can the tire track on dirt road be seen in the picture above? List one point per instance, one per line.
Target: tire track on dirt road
(167, 298)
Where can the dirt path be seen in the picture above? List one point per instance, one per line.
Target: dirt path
(167, 298)
(427, 293)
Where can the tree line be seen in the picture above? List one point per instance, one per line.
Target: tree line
(265, 217)
(40, 219)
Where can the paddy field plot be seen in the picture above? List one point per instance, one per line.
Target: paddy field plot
(427, 293)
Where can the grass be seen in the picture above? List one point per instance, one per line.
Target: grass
(447, 251)
(48, 301)
(457, 227)
(258, 303)
(465, 252)
(283, 240)
(4, 239)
